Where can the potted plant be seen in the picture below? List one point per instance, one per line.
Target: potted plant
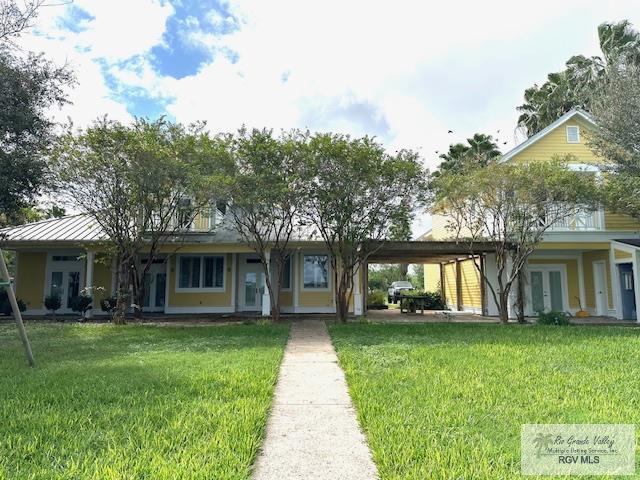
(53, 302)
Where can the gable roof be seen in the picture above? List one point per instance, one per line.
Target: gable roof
(548, 129)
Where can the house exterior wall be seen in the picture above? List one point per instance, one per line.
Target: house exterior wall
(471, 297)
(30, 278)
(431, 277)
(589, 285)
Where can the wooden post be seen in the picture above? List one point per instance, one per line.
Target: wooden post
(483, 287)
(16, 310)
(443, 293)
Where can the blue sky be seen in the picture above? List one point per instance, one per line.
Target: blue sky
(406, 72)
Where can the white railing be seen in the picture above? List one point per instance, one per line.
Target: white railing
(580, 221)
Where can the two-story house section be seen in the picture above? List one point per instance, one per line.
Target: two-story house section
(589, 261)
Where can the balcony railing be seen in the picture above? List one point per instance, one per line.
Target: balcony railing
(580, 221)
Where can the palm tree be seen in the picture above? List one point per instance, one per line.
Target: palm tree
(478, 151)
(575, 86)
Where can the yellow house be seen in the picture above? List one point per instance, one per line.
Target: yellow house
(587, 262)
(209, 270)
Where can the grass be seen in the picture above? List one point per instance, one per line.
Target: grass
(443, 401)
(136, 402)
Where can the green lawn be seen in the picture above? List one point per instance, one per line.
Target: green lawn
(136, 402)
(447, 401)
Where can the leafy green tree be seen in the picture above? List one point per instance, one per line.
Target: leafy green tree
(28, 88)
(142, 184)
(381, 276)
(617, 140)
(510, 206)
(264, 191)
(582, 79)
(353, 192)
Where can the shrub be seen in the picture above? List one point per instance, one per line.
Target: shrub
(376, 299)
(553, 318)
(5, 305)
(108, 304)
(53, 303)
(81, 304)
(433, 300)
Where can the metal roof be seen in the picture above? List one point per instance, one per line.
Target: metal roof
(74, 228)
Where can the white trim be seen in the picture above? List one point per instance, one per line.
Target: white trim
(295, 280)
(542, 133)
(52, 266)
(566, 129)
(329, 272)
(615, 282)
(199, 310)
(581, 288)
(202, 289)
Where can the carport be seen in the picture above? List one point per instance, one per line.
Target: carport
(435, 252)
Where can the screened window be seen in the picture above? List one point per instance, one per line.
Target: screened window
(201, 272)
(316, 271)
(573, 134)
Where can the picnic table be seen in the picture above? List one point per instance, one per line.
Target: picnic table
(420, 300)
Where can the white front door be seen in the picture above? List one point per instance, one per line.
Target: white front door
(600, 285)
(548, 289)
(156, 287)
(251, 284)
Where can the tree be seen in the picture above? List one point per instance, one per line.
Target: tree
(15, 17)
(479, 150)
(617, 140)
(353, 194)
(582, 79)
(264, 192)
(511, 206)
(28, 88)
(142, 184)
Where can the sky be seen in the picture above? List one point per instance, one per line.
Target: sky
(406, 72)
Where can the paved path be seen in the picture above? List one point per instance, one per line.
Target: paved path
(313, 431)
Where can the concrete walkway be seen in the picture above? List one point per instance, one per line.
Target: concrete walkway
(313, 431)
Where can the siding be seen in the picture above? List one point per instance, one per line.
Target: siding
(450, 291)
(30, 278)
(617, 221)
(470, 280)
(102, 279)
(587, 267)
(621, 254)
(555, 144)
(431, 277)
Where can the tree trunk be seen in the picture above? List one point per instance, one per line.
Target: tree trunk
(119, 315)
(504, 307)
(404, 270)
(520, 302)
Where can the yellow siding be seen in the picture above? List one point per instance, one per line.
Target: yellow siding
(286, 299)
(101, 279)
(621, 254)
(555, 144)
(431, 277)
(470, 284)
(616, 221)
(587, 267)
(450, 290)
(30, 278)
(573, 245)
(573, 286)
(205, 299)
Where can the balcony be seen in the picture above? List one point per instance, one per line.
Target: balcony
(580, 221)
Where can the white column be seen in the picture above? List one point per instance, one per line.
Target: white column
(88, 279)
(615, 283)
(357, 292)
(636, 281)
(266, 298)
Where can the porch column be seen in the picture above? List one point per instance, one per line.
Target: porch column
(636, 280)
(88, 279)
(357, 292)
(266, 298)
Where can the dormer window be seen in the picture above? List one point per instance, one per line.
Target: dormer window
(573, 134)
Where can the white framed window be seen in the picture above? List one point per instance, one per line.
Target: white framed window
(315, 272)
(200, 273)
(573, 134)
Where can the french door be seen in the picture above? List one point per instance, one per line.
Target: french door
(547, 289)
(66, 284)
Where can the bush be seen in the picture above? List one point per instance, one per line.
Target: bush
(376, 300)
(5, 306)
(432, 302)
(108, 304)
(81, 304)
(53, 303)
(553, 318)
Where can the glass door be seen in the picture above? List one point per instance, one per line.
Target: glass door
(547, 290)
(65, 284)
